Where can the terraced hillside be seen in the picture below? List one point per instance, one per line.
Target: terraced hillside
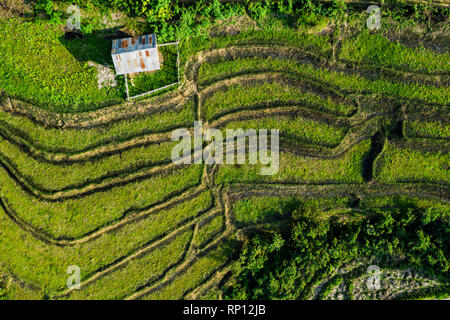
(99, 190)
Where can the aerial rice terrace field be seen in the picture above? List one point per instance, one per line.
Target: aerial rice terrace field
(364, 126)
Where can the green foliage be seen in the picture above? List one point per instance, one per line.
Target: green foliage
(173, 20)
(424, 13)
(258, 10)
(330, 285)
(47, 7)
(313, 14)
(287, 265)
(3, 292)
(87, 28)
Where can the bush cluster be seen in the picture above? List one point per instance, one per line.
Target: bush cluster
(183, 19)
(289, 264)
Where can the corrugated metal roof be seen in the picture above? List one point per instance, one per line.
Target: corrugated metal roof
(146, 41)
(136, 54)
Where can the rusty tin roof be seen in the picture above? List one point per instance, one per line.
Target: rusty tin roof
(135, 54)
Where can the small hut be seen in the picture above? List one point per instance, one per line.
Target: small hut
(135, 54)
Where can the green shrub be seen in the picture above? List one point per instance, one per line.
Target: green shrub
(288, 265)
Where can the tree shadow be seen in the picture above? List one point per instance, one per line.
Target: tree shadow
(95, 46)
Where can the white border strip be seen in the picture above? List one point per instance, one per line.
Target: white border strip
(167, 44)
(152, 91)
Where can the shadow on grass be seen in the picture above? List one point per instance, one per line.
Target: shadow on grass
(95, 46)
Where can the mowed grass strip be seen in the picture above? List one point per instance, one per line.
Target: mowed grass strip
(376, 50)
(377, 201)
(247, 96)
(254, 210)
(137, 273)
(372, 49)
(13, 289)
(422, 129)
(239, 96)
(296, 127)
(202, 268)
(261, 209)
(318, 45)
(75, 217)
(56, 177)
(208, 229)
(298, 169)
(74, 140)
(44, 265)
(336, 80)
(397, 164)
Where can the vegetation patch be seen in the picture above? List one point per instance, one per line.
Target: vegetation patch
(398, 164)
(297, 170)
(86, 178)
(290, 265)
